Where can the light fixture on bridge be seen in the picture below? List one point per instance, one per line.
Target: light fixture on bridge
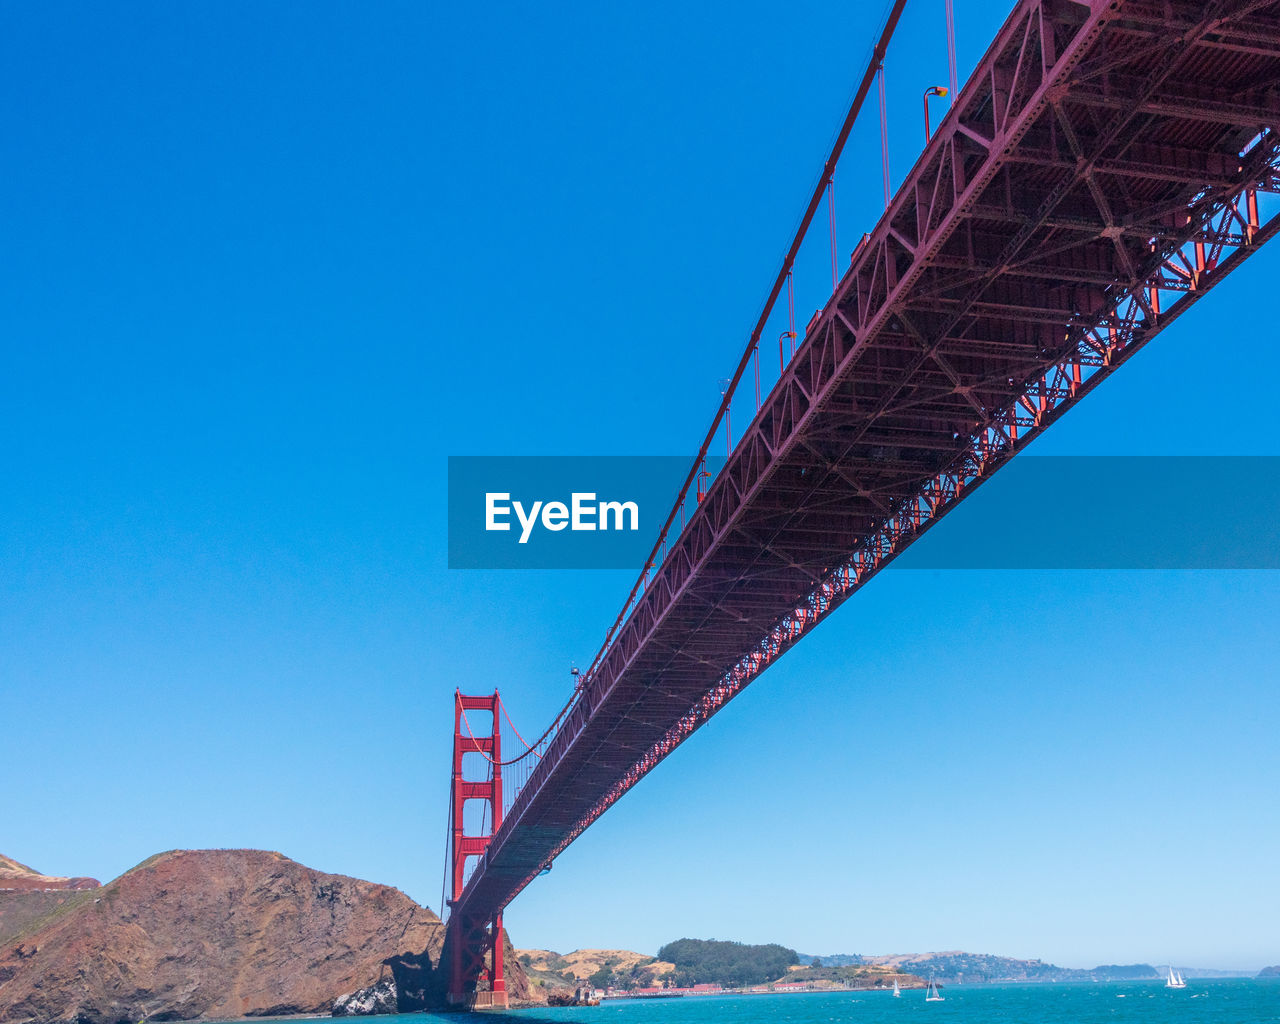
(933, 90)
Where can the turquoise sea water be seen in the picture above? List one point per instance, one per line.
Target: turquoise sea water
(1201, 1002)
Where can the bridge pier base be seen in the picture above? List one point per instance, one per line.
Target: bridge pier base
(475, 960)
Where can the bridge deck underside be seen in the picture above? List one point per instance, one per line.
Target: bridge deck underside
(1081, 156)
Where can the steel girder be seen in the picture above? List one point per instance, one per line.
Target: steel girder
(1098, 175)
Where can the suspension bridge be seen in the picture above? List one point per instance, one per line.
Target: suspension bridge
(1104, 166)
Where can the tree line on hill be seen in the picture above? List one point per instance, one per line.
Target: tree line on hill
(732, 964)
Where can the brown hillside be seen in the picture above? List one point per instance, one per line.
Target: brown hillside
(585, 962)
(18, 876)
(219, 934)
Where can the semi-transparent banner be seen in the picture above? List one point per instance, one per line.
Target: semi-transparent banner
(1038, 512)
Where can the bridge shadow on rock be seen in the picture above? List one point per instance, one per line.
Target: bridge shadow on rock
(422, 979)
(420, 984)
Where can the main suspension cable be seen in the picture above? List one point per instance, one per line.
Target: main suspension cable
(528, 748)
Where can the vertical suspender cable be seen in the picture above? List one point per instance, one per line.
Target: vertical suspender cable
(755, 359)
(951, 48)
(791, 312)
(884, 135)
(831, 214)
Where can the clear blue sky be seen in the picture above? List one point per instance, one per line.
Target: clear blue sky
(266, 265)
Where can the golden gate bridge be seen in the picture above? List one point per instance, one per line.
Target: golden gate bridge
(1097, 175)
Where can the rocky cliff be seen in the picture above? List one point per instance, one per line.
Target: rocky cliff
(220, 934)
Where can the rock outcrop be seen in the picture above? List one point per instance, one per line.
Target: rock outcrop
(217, 934)
(379, 998)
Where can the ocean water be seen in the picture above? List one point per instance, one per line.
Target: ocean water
(1227, 1001)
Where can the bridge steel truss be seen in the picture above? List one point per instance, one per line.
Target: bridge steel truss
(1098, 175)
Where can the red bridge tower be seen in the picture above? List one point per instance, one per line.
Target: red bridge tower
(475, 944)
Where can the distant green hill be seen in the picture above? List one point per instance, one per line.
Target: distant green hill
(958, 967)
(733, 964)
(832, 959)
(726, 962)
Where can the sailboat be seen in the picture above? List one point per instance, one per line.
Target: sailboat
(932, 995)
(897, 992)
(1175, 979)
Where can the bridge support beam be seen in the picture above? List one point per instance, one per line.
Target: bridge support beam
(474, 943)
